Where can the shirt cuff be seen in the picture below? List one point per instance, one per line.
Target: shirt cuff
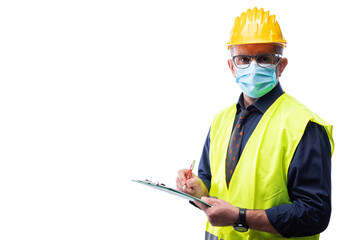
(278, 216)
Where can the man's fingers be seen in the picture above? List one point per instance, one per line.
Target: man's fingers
(179, 185)
(181, 181)
(210, 200)
(182, 176)
(192, 186)
(191, 182)
(206, 199)
(189, 190)
(201, 205)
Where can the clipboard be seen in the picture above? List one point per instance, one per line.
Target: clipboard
(162, 187)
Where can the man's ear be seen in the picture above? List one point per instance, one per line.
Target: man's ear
(231, 66)
(282, 65)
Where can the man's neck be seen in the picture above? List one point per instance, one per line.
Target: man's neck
(249, 100)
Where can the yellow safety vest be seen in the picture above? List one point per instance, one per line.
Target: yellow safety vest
(260, 178)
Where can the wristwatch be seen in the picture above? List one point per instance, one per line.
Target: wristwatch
(240, 225)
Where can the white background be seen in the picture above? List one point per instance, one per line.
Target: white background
(96, 93)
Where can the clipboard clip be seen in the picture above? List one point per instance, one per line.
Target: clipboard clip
(157, 183)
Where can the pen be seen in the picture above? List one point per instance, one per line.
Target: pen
(188, 175)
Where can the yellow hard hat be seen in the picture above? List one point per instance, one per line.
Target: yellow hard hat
(256, 26)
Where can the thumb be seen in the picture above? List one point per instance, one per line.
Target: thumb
(204, 207)
(209, 200)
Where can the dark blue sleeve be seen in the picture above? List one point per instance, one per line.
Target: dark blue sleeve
(309, 187)
(204, 172)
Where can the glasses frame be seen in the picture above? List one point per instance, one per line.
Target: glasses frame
(255, 58)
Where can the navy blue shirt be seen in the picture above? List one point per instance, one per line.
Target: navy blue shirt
(309, 175)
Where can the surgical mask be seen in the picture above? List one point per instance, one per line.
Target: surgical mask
(256, 81)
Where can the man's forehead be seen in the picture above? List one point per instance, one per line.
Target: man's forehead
(252, 49)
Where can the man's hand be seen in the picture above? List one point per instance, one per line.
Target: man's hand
(194, 186)
(221, 213)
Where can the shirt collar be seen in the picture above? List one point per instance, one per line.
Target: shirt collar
(264, 102)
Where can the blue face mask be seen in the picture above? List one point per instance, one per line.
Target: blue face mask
(256, 81)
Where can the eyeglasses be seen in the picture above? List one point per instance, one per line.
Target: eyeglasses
(263, 60)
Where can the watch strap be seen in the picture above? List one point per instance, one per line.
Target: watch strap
(241, 221)
(242, 217)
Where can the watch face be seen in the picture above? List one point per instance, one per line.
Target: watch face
(240, 228)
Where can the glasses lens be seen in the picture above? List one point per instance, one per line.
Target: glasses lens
(242, 61)
(265, 60)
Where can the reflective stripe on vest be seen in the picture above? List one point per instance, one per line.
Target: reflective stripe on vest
(260, 178)
(209, 236)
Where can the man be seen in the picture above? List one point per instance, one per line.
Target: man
(266, 162)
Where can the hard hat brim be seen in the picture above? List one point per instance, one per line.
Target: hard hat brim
(281, 44)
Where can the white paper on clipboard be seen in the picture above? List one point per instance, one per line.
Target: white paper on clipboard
(172, 191)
